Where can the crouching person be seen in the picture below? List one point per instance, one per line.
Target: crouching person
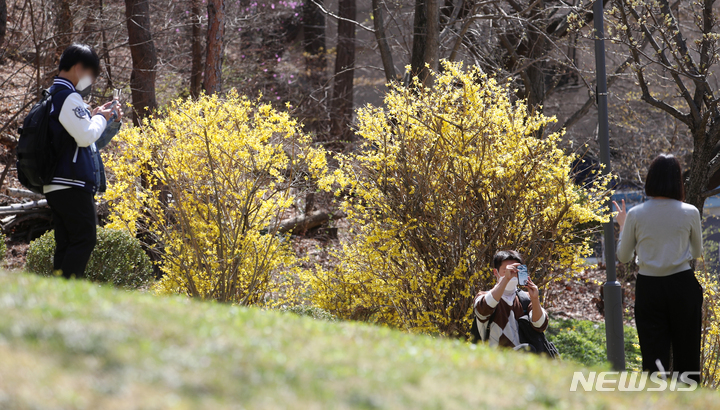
(509, 317)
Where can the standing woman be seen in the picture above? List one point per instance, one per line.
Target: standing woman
(666, 234)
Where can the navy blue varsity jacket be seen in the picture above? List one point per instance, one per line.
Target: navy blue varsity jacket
(80, 165)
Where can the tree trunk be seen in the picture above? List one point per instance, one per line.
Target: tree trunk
(698, 171)
(417, 58)
(426, 39)
(144, 58)
(215, 46)
(535, 86)
(197, 48)
(3, 24)
(536, 50)
(63, 27)
(432, 44)
(105, 49)
(385, 53)
(90, 26)
(342, 100)
(315, 118)
(314, 43)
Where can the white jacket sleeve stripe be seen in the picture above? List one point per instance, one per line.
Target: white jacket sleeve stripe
(77, 122)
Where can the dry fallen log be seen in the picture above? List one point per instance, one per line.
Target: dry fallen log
(304, 222)
(23, 193)
(26, 221)
(24, 208)
(37, 221)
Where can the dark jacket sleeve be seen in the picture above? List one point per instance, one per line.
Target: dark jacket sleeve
(542, 324)
(110, 132)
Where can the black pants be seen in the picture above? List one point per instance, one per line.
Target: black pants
(668, 315)
(75, 220)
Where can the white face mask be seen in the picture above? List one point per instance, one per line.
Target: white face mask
(511, 285)
(83, 85)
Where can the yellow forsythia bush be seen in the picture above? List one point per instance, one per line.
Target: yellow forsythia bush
(710, 347)
(446, 176)
(205, 183)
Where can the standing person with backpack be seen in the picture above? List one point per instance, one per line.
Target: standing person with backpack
(666, 235)
(79, 172)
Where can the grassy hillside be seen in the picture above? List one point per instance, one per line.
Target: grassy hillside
(77, 345)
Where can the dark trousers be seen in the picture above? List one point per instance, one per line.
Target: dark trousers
(668, 315)
(74, 220)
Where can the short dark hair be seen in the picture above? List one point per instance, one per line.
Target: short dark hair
(80, 53)
(664, 178)
(502, 256)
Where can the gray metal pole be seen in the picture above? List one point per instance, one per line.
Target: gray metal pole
(612, 290)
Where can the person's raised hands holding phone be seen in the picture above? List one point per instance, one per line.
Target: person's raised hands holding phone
(105, 110)
(534, 293)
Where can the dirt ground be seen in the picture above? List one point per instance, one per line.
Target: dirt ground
(581, 297)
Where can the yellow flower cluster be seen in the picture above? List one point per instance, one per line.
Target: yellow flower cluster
(446, 176)
(710, 348)
(205, 184)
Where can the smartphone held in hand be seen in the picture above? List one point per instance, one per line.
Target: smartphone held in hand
(115, 103)
(522, 275)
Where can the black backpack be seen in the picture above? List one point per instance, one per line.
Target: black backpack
(37, 151)
(536, 340)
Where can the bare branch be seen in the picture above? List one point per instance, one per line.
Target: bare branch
(575, 117)
(335, 16)
(711, 192)
(646, 96)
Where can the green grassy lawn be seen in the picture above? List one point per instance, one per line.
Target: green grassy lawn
(74, 344)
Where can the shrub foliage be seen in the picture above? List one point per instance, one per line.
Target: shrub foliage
(205, 183)
(584, 341)
(447, 176)
(710, 347)
(3, 246)
(118, 258)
